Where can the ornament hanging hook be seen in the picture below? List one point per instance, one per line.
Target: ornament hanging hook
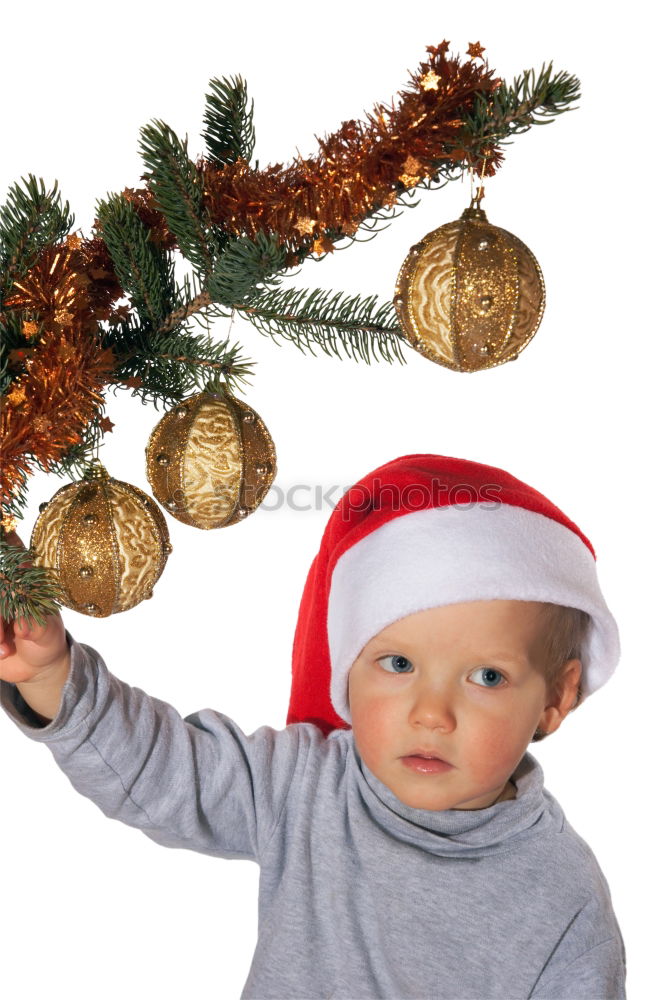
(218, 385)
(476, 198)
(95, 469)
(230, 327)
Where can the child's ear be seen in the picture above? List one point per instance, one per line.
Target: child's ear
(565, 698)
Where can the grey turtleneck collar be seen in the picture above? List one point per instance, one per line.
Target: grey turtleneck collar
(468, 832)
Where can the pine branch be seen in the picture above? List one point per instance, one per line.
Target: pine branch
(172, 365)
(185, 311)
(28, 591)
(30, 220)
(529, 101)
(318, 318)
(177, 186)
(145, 272)
(230, 133)
(243, 266)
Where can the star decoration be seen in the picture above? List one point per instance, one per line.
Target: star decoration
(42, 425)
(430, 81)
(412, 166)
(65, 351)
(475, 50)
(305, 226)
(64, 317)
(17, 395)
(442, 48)
(9, 523)
(408, 180)
(323, 244)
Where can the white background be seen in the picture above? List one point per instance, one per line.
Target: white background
(91, 908)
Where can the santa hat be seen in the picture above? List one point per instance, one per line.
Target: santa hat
(424, 531)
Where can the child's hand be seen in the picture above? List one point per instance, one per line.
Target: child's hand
(28, 650)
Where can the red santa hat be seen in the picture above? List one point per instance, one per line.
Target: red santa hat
(424, 531)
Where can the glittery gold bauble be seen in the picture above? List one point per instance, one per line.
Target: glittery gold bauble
(210, 460)
(469, 295)
(105, 541)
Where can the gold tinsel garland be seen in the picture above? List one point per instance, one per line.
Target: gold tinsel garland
(358, 168)
(360, 165)
(73, 286)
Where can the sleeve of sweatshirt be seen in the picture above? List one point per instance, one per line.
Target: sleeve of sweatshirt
(197, 783)
(589, 960)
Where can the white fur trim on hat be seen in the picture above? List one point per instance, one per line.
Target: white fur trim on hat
(452, 554)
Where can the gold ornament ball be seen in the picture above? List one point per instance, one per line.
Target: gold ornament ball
(470, 295)
(210, 460)
(105, 541)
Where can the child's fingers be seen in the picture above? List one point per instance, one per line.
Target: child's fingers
(9, 632)
(6, 637)
(29, 630)
(21, 629)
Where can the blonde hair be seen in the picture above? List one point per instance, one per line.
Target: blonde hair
(561, 640)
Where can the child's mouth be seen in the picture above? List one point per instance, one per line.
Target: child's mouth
(426, 765)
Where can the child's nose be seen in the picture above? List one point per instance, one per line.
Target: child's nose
(433, 707)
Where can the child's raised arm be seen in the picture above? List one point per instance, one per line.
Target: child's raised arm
(199, 783)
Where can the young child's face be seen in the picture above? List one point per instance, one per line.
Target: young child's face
(457, 681)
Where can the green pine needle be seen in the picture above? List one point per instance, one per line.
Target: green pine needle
(174, 364)
(531, 100)
(29, 592)
(30, 220)
(143, 270)
(177, 186)
(244, 266)
(310, 318)
(230, 133)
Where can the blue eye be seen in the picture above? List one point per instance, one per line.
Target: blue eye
(398, 664)
(491, 675)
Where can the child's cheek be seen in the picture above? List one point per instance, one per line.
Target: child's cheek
(373, 725)
(495, 749)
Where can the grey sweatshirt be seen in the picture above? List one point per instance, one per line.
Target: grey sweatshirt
(360, 895)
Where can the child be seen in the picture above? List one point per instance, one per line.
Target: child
(452, 615)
